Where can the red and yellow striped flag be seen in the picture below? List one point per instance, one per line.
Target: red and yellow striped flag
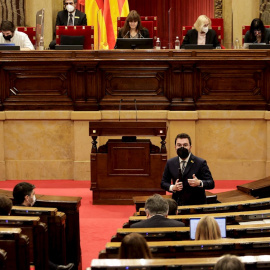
(102, 14)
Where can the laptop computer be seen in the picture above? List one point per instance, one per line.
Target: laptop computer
(69, 47)
(198, 47)
(9, 47)
(194, 222)
(247, 45)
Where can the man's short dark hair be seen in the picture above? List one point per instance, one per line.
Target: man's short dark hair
(5, 205)
(182, 136)
(75, 1)
(172, 206)
(229, 262)
(156, 204)
(20, 191)
(7, 26)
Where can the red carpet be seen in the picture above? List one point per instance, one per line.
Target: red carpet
(97, 222)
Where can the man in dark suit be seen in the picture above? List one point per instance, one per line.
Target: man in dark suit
(157, 209)
(190, 175)
(70, 16)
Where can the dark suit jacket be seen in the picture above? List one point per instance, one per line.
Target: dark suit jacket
(265, 40)
(157, 221)
(192, 38)
(62, 18)
(144, 32)
(189, 195)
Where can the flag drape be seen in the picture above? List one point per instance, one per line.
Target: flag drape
(102, 14)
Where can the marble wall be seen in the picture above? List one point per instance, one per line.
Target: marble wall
(55, 144)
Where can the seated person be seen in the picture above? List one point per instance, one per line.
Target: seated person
(229, 262)
(134, 246)
(173, 207)
(5, 205)
(24, 195)
(201, 34)
(207, 229)
(157, 208)
(70, 16)
(133, 27)
(257, 33)
(11, 35)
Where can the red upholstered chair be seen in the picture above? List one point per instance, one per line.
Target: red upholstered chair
(218, 31)
(30, 31)
(185, 29)
(149, 22)
(220, 24)
(86, 31)
(246, 28)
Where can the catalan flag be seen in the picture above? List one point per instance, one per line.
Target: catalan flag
(102, 14)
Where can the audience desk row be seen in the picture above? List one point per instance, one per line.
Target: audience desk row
(61, 227)
(169, 80)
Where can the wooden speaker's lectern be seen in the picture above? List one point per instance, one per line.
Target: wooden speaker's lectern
(121, 169)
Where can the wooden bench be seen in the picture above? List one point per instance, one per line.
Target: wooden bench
(70, 206)
(199, 249)
(16, 249)
(139, 201)
(56, 223)
(249, 205)
(251, 263)
(182, 233)
(38, 237)
(232, 217)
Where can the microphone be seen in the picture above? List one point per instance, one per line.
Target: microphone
(141, 34)
(12, 91)
(126, 34)
(136, 108)
(120, 107)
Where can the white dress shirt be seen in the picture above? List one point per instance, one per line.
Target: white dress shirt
(19, 39)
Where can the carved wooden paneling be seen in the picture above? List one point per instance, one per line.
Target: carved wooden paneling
(139, 79)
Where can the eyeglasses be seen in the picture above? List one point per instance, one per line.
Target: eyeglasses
(69, 3)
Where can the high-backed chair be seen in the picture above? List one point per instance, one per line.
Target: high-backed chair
(220, 24)
(30, 31)
(149, 22)
(185, 29)
(246, 28)
(86, 31)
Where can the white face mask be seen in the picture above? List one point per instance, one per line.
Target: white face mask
(70, 8)
(205, 29)
(34, 200)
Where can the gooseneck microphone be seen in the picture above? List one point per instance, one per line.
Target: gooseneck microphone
(126, 34)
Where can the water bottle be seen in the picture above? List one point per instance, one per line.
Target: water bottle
(236, 45)
(158, 44)
(41, 44)
(177, 43)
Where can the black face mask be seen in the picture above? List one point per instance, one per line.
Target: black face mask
(182, 152)
(9, 37)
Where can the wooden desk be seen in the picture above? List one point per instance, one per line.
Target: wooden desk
(251, 263)
(231, 217)
(157, 80)
(3, 258)
(16, 246)
(121, 169)
(199, 249)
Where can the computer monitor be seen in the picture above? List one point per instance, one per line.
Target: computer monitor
(9, 47)
(198, 47)
(194, 222)
(247, 45)
(259, 46)
(69, 47)
(134, 43)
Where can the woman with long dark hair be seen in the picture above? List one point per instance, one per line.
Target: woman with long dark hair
(257, 33)
(133, 27)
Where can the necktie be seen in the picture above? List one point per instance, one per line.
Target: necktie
(183, 166)
(70, 21)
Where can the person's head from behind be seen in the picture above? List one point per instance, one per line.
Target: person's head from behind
(202, 24)
(24, 194)
(156, 205)
(8, 29)
(173, 207)
(183, 145)
(257, 29)
(207, 229)
(5, 205)
(70, 5)
(229, 262)
(134, 246)
(133, 21)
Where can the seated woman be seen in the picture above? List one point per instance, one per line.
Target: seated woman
(257, 33)
(134, 246)
(133, 27)
(207, 229)
(201, 34)
(229, 262)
